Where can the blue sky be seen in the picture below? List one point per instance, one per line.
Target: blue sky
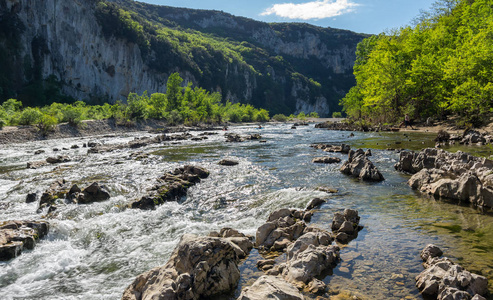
(365, 16)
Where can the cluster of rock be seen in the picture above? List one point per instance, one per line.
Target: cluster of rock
(346, 225)
(138, 142)
(456, 176)
(50, 160)
(343, 148)
(445, 280)
(358, 165)
(62, 192)
(203, 267)
(309, 250)
(469, 137)
(172, 186)
(236, 138)
(199, 267)
(15, 236)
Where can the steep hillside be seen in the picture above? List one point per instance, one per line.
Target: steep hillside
(101, 51)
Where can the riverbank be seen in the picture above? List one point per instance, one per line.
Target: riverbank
(22, 134)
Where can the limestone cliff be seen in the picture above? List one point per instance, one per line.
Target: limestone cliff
(72, 45)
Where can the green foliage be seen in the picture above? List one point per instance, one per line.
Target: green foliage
(280, 118)
(337, 114)
(192, 106)
(313, 114)
(30, 116)
(47, 123)
(443, 65)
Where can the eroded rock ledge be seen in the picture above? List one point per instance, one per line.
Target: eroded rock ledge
(457, 176)
(446, 280)
(15, 236)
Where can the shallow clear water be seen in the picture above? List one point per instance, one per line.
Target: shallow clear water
(95, 251)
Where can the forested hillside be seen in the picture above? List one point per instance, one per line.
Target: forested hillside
(441, 66)
(100, 51)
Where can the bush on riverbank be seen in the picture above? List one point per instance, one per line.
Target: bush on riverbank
(180, 105)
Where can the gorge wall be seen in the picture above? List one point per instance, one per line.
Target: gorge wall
(81, 49)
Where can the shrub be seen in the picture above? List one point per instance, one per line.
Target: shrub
(280, 118)
(2, 123)
(314, 114)
(174, 118)
(337, 114)
(72, 115)
(30, 116)
(47, 124)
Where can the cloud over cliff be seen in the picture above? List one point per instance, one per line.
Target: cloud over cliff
(311, 10)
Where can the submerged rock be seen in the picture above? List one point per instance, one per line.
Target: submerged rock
(172, 186)
(198, 268)
(358, 165)
(15, 236)
(445, 280)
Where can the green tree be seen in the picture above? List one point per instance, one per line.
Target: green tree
(174, 92)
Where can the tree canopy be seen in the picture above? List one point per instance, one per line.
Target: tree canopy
(442, 65)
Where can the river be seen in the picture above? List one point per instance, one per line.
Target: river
(95, 251)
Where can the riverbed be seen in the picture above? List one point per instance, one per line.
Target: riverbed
(95, 251)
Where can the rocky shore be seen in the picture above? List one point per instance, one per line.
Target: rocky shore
(442, 279)
(22, 134)
(457, 176)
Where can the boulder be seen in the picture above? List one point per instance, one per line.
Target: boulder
(58, 159)
(228, 162)
(15, 236)
(430, 251)
(271, 287)
(358, 165)
(92, 193)
(326, 160)
(32, 197)
(346, 225)
(281, 229)
(314, 203)
(199, 267)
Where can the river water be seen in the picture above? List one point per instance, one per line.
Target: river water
(95, 251)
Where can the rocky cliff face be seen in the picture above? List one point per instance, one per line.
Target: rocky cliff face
(63, 40)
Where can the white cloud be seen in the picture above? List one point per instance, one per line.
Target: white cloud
(311, 10)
